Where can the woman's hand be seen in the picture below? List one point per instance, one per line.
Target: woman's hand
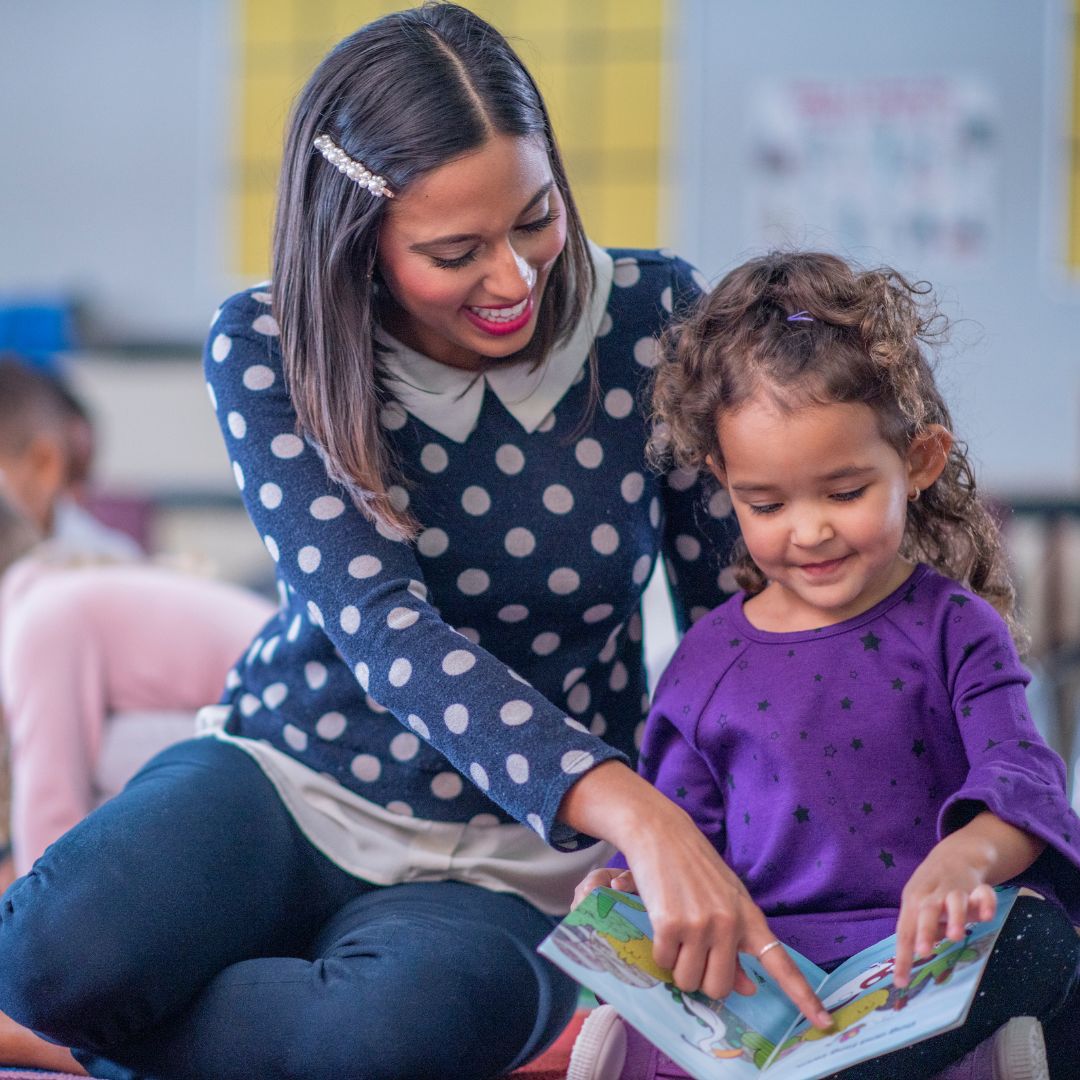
(953, 886)
(702, 914)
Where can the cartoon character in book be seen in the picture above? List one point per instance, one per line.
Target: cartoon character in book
(947, 958)
(844, 1020)
(630, 961)
(726, 1036)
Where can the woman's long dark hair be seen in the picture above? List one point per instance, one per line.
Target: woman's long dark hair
(404, 95)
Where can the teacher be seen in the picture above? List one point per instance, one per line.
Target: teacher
(434, 414)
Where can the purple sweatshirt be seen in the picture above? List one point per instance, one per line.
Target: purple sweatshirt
(825, 764)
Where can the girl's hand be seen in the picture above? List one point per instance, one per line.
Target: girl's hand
(953, 885)
(606, 877)
(943, 895)
(701, 913)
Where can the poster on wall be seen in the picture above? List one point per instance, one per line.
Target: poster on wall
(901, 170)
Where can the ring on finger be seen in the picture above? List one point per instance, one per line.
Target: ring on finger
(765, 948)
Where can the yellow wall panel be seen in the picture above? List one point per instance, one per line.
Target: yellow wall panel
(598, 64)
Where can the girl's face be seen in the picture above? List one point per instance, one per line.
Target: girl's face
(466, 252)
(821, 500)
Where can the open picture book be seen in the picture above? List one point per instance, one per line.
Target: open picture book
(606, 944)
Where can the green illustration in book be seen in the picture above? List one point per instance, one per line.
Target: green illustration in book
(606, 944)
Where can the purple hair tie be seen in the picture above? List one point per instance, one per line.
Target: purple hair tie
(801, 316)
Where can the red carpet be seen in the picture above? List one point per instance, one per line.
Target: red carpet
(552, 1064)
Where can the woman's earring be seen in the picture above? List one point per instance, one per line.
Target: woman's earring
(914, 496)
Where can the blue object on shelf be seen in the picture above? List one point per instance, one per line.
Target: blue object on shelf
(36, 328)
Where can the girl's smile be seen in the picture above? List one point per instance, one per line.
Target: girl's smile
(466, 251)
(821, 499)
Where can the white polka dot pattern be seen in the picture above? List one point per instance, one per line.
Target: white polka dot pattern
(295, 738)
(632, 486)
(220, 348)
(393, 417)
(520, 542)
(274, 695)
(509, 459)
(432, 543)
(605, 539)
(326, 508)
(475, 500)
(589, 453)
(434, 458)
(456, 718)
(578, 699)
(558, 499)
(627, 273)
(618, 403)
(458, 662)
(473, 582)
(688, 547)
(402, 618)
(720, 504)
(400, 672)
(365, 566)
(366, 767)
(647, 352)
(315, 674)
(331, 726)
(533, 544)
(286, 446)
(404, 747)
(309, 559)
(446, 785)
(259, 377)
(564, 581)
(546, 643)
(516, 712)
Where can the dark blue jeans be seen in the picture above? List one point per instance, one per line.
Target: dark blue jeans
(187, 930)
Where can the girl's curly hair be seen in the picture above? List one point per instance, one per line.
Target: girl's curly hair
(864, 342)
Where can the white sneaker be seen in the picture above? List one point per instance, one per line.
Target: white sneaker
(600, 1049)
(1020, 1050)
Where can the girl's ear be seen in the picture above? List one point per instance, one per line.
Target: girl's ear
(716, 470)
(927, 456)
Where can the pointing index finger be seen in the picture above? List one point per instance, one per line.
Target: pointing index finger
(791, 980)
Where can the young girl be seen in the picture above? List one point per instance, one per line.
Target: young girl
(850, 732)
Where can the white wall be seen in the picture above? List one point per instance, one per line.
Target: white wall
(114, 126)
(1014, 381)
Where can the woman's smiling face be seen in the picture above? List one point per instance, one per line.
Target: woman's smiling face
(466, 251)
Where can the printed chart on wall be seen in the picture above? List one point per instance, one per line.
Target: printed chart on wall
(899, 169)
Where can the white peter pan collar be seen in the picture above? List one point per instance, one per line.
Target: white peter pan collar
(448, 399)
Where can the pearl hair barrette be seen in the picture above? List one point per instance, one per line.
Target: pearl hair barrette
(351, 167)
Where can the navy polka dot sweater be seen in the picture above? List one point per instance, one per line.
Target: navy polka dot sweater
(474, 674)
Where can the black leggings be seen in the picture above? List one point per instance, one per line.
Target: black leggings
(1033, 971)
